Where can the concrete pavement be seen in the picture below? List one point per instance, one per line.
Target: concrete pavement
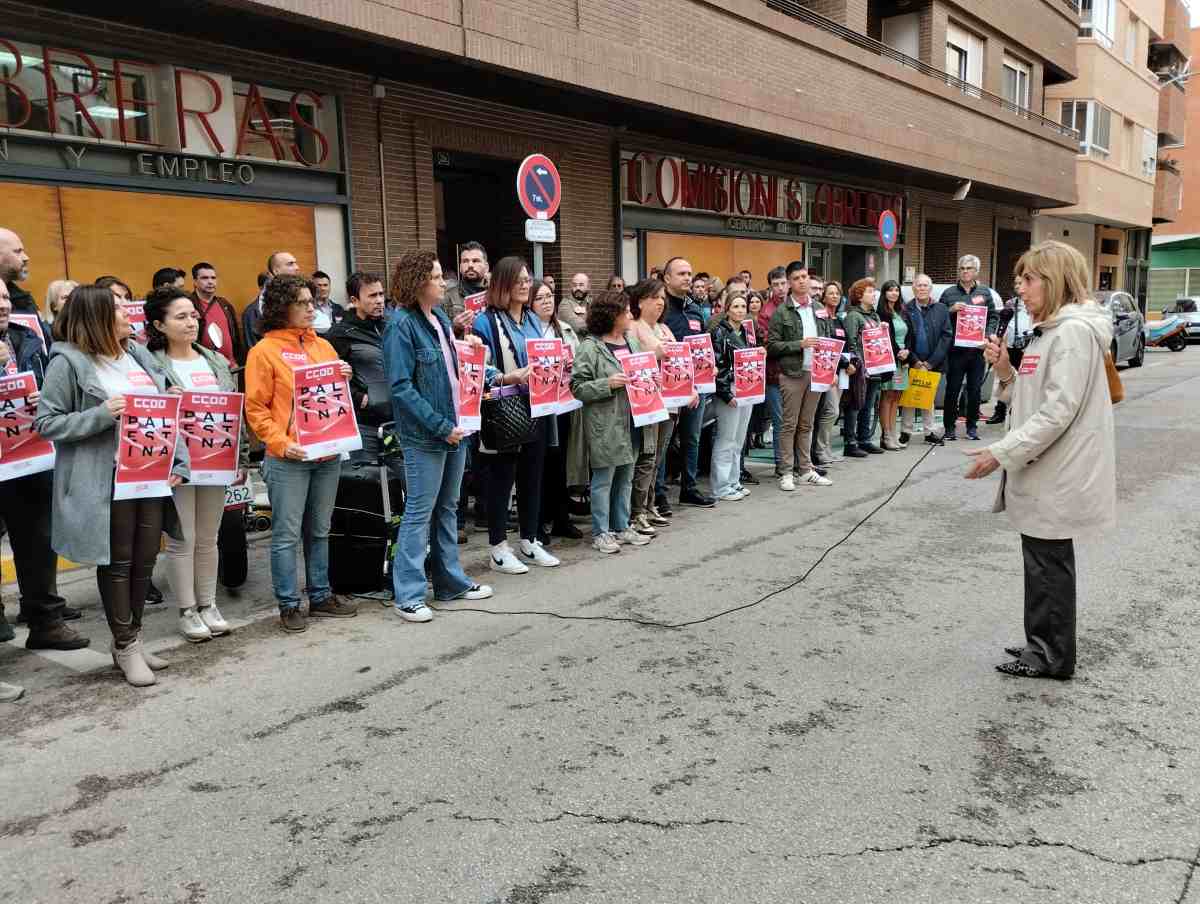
(845, 741)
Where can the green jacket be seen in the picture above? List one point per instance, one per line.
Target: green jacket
(607, 420)
(856, 321)
(785, 337)
(226, 382)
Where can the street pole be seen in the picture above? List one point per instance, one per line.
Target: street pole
(537, 260)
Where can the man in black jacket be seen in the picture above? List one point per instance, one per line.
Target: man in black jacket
(965, 364)
(25, 503)
(931, 323)
(14, 268)
(358, 339)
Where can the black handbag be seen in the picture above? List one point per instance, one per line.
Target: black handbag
(506, 420)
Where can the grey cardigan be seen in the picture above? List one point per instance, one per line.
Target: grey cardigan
(225, 380)
(72, 415)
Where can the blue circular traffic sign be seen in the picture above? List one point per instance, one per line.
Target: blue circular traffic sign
(888, 230)
(539, 187)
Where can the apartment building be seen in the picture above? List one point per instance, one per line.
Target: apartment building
(1128, 106)
(741, 133)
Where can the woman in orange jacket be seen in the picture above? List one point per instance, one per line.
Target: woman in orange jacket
(302, 491)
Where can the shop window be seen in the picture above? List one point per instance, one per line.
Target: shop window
(98, 96)
(278, 106)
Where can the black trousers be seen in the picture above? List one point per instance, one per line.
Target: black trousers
(25, 507)
(964, 366)
(1049, 605)
(135, 530)
(525, 468)
(554, 478)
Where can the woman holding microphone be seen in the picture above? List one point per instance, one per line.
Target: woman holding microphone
(1058, 456)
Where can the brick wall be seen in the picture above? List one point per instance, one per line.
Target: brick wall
(413, 119)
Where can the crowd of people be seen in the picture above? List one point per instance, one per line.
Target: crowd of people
(395, 342)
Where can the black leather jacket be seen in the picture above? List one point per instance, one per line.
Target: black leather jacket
(360, 343)
(726, 339)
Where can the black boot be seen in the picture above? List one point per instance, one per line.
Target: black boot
(998, 414)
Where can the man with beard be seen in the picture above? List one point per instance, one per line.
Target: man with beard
(472, 279)
(573, 310)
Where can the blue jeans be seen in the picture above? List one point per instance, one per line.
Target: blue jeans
(691, 425)
(430, 518)
(611, 488)
(302, 495)
(774, 402)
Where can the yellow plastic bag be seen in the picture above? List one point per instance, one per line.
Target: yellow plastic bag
(922, 389)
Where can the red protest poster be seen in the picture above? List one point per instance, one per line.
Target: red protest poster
(545, 362)
(32, 322)
(825, 360)
(323, 412)
(470, 385)
(972, 321)
(136, 312)
(877, 350)
(677, 389)
(22, 451)
(475, 303)
(704, 362)
(146, 437)
(211, 426)
(566, 399)
(643, 389)
(749, 375)
(751, 336)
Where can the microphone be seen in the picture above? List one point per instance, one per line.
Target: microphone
(1006, 317)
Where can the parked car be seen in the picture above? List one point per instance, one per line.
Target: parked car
(1187, 309)
(985, 391)
(1129, 327)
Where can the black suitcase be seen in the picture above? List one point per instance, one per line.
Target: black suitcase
(364, 524)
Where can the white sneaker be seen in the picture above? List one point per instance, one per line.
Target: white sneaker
(505, 562)
(415, 612)
(632, 537)
(787, 483)
(192, 627)
(743, 490)
(606, 544)
(211, 616)
(812, 478)
(537, 554)
(478, 592)
(10, 692)
(733, 496)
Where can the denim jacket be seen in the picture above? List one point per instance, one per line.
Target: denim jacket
(422, 399)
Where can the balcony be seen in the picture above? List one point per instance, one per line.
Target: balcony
(1177, 24)
(1172, 115)
(1168, 192)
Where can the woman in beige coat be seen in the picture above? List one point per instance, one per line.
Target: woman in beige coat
(1058, 454)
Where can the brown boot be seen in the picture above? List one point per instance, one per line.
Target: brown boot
(334, 607)
(55, 636)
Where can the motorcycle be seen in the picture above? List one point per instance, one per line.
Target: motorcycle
(1170, 332)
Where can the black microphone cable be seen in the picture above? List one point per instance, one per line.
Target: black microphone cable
(651, 623)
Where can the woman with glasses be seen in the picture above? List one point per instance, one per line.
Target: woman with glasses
(505, 325)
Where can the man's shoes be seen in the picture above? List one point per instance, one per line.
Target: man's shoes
(821, 472)
(787, 483)
(56, 637)
(696, 498)
(293, 620)
(747, 477)
(69, 613)
(904, 438)
(642, 525)
(334, 607)
(815, 479)
(10, 693)
(933, 439)
(606, 543)
(999, 414)
(631, 537)
(154, 596)
(655, 517)
(854, 452)
(871, 448)
(972, 433)
(663, 507)
(415, 612)
(950, 437)
(567, 531)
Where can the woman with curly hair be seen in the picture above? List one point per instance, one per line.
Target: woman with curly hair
(302, 491)
(422, 368)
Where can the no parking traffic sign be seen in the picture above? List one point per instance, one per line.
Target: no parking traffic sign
(539, 187)
(887, 229)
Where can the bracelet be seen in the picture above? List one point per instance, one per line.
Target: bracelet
(1009, 381)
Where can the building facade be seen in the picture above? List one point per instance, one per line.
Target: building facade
(164, 134)
(1128, 106)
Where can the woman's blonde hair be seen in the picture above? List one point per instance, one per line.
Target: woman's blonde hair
(53, 291)
(1063, 272)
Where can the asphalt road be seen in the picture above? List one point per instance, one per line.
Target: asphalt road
(845, 741)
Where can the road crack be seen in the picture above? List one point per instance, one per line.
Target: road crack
(665, 825)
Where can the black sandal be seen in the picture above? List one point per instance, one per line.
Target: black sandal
(1014, 652)
(1018, 669)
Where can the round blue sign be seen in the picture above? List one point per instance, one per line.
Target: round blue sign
(888, 229)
